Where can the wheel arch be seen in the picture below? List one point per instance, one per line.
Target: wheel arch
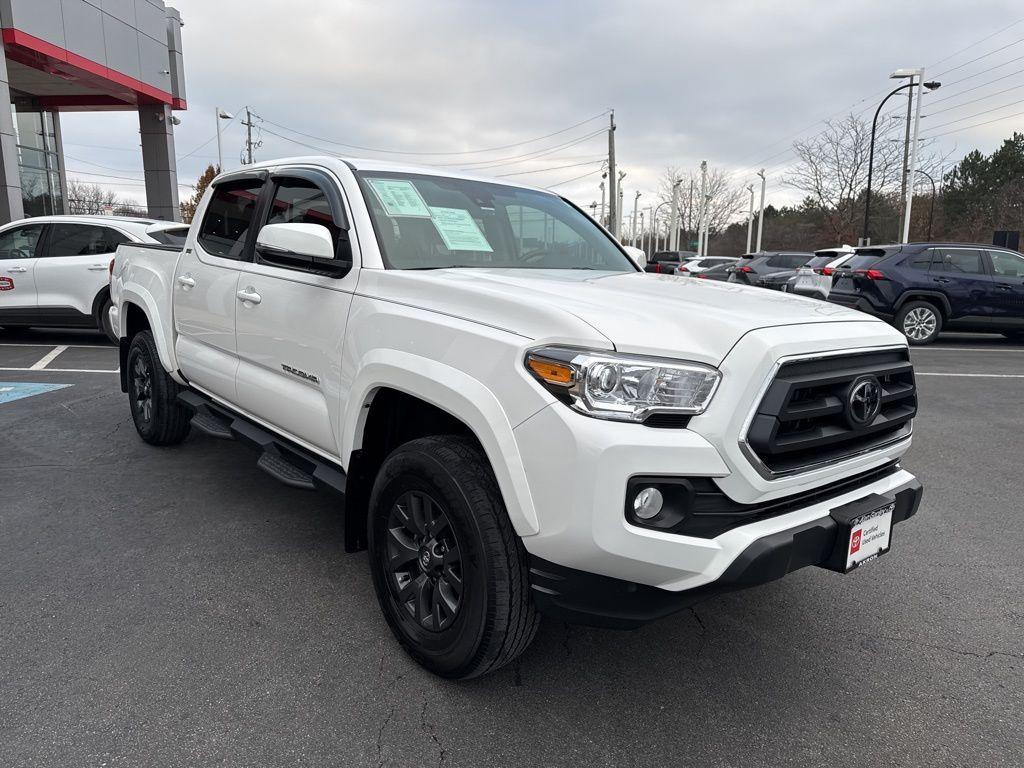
(428, 394)
(932, 297)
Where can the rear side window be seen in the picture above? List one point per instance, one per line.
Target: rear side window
(788, 260)
(866, 259)
(176, 236)
(959, 261)
(819, 261)
(921, 261)
(82, 240)
(228, 218)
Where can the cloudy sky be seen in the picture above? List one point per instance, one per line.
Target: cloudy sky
(728, 81)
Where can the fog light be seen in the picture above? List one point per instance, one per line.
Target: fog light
(647, 503)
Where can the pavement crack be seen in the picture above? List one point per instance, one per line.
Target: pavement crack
(565, 640)
(945, 648)
(429, 729)
(380, 737)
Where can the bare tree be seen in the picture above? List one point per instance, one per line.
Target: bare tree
(725, 203)
(832, 168)
(90, 199)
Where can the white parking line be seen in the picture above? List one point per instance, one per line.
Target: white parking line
(915, 350)
(48, 358)
(43, 344)
(61, 370)
(974, 375)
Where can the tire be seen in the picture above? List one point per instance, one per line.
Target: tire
(152, 395)
(439, 535)
(103, 321)
(920, 322)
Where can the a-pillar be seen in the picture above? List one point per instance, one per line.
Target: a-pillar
(158, 163)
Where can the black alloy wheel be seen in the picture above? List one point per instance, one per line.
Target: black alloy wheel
(424, 562)
(142, 389)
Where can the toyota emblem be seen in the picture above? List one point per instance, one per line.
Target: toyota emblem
(864, 401)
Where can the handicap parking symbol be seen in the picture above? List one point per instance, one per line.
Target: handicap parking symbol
(16, 390)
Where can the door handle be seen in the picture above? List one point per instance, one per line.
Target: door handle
(1004, 287)
(186, 281)
(18, 269)
(940, 279)
(98, 267)
(249, 295)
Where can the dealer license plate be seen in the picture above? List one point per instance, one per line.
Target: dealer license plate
(870, 535)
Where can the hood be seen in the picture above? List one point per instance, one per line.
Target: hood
(637, 312)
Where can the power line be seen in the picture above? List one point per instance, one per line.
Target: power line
(932, 112)
(424, 154)
(984, 71)
(544, 170)
(574, 178)
(976, 114)
(977, 42)
(979, 58)
(100, 165)
(102, 175)
(977, 125)
(976, 87)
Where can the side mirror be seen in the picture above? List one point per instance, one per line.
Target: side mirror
(311, 241)
(636, 255)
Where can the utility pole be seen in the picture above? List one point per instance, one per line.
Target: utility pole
(760, 218)
(641, 231)
(912, 169)
(636, 199)
(593, 210)
(689, 211)
(250, 145)
(750, 217)
(673, 233)
(601, 220)
(612, 213)
(906, 151)
(703, 207)
(618, 223)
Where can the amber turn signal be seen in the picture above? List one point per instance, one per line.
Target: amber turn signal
(551, 371)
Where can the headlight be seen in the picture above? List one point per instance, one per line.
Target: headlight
(623, 387)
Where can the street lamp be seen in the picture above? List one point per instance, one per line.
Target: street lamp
(654, 225)
(221, 115)
(931, 208)
(899, 73)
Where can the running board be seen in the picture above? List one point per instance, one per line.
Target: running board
(280, 458)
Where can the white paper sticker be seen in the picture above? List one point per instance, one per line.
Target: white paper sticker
(459, 230)
(399, 197)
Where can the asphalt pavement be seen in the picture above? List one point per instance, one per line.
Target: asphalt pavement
(178, 607)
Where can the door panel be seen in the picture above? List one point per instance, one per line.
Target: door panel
(76, 265)
(19, 247)
(205, 284)
(291, 322)
(1007, 295)
(960, 274)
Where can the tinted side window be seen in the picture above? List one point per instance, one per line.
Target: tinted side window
(921, 261)
(959, 261)
(228, 218)
(176, 236)
(1006, 264)
(82, 240)
(297, 201)
(20, 242)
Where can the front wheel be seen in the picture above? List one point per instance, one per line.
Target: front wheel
(449, 571)
(919, 321)
(153, 395)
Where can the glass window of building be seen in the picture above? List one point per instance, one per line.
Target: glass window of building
(38, 164)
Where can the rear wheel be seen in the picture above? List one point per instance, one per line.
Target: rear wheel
(152, 394)
(449, 571)
(103, 321)
(919, 321)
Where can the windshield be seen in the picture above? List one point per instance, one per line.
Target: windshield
(437, 222)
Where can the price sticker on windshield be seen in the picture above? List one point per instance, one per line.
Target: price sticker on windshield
(459, 230)
(399, 197)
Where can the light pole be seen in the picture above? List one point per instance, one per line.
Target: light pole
(707, 226)
(636, 199)
(703, 206)
(913, 154)
(654, 226)
(673, 235)
(865, 238)
(931, 208)
(641, 230)
(750, 217)
(601, 220)
(760, 218)
(220, 114)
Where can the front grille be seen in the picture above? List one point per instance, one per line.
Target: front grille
(805, 417)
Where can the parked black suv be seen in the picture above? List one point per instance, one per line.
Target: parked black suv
(667, 261)
(752, 267)
(923, 288)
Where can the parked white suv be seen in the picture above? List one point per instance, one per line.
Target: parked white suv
(814, 279)
(54, 270)
(519, 419)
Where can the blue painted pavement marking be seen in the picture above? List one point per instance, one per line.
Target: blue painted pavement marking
(15, 390)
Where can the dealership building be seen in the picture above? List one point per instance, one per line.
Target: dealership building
(85, 56)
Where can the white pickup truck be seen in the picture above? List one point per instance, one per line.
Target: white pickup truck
(520, 420)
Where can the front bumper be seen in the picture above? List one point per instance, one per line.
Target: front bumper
(579, 597)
